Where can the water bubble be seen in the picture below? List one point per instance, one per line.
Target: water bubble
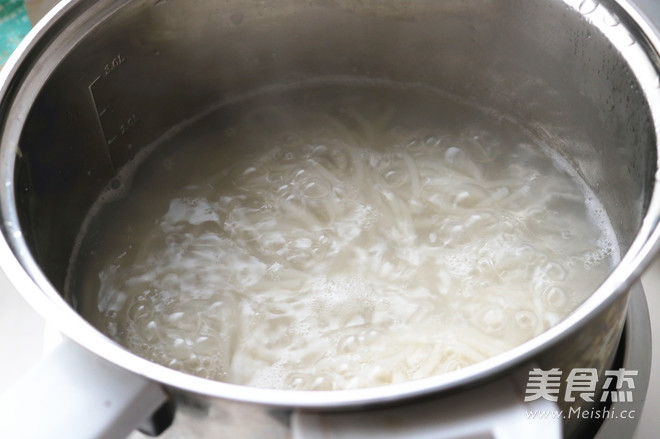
(554, 271)
(317, 150)
(295, 381)
(175, 316)
(245, 175)
(316, 189)
(493, 319)
(319, 252)
(526, 319)
(470, 195)
(349, 344)
(525, 254)
(321, 383)
(138, 311)
(303, 243)
(458, 160)
(555, 298)
(276, 177)
(309, 184)
(380, 374)
(414, 146)
(395, 177)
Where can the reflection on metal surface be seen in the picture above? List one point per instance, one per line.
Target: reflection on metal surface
(575, 73)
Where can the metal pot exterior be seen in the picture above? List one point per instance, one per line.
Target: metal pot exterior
(100, 79)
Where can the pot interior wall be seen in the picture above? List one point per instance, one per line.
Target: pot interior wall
(125, 72)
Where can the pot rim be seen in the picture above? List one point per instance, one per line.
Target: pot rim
(16, 82)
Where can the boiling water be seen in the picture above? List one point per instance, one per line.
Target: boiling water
(336, 237)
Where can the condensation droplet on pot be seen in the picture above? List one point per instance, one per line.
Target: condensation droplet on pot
(588, 6)
(628, 39)
(611, 19)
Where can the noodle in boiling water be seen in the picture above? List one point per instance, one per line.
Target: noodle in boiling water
(336, 246)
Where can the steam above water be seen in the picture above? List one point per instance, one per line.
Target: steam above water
(338, 237)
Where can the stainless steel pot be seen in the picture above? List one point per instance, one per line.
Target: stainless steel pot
(98, 80)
